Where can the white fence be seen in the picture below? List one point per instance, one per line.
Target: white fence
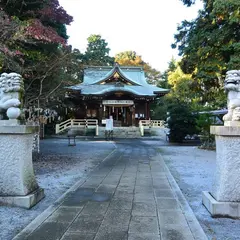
(147, 124)
(77, 123)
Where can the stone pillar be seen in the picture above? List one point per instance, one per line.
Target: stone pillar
(18, 185)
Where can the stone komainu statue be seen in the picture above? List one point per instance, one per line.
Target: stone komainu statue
(232, 86)
(11, 87)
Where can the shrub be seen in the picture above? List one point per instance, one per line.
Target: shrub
(204, 122)
(181, 121)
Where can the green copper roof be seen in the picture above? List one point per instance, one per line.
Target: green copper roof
(134, 81)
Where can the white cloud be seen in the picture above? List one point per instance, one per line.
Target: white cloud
(146, 27)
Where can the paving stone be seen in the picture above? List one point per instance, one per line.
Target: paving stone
(130, 170)
(144, 197)
(106, 188)
(142, 236)
(116, 220)
(86, 223)
(158, 174)
(93, 208)
(162, 185)
(144, 171)
(127, 180)
(123, 195)
(78, 236)
(167, 203)
(113, 176)
(64, 214)
(111, 181)
(126, 188)
(143, 225)
(49, 231)
(120, 204)
(128, 176)
(101, 197)
(91, 184)
(144, 209)
(99, 173)
(75, 201)
(81, 196)
(141, 175)
(164, 193)
(95, 179)
(143, 189)
(175, 232)
(113, 235)
(144, 183)
(171, 217)
(157, 169)
(158, 182)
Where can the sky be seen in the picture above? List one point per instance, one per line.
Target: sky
(144, 26)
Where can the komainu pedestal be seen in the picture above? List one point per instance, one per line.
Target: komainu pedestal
(18, 186)
(224, 199)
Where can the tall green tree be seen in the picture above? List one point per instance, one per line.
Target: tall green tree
(209, 45)
(97, 53)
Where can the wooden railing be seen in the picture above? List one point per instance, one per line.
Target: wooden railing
(157, 123)
(146, 124)
(77, 123)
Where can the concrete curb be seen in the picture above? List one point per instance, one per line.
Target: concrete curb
(53, 207)
(193, 223)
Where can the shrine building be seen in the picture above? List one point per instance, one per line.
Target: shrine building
(119, 91)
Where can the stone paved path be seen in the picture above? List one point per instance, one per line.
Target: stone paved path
(129, 196)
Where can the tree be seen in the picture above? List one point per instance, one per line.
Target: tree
(33, 43)
(131, 58)
(188, 2)
(97, 53)
(209, 45)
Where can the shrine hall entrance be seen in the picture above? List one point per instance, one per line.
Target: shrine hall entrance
(122, 112)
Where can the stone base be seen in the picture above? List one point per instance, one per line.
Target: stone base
(11, 122)
(220, 209)
(27, 201)
(232, 123)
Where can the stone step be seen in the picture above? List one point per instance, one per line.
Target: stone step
(122, 132)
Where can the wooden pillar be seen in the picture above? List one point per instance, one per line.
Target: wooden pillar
(100, 113)
(146, 111)
(133, 115)
(86, 110)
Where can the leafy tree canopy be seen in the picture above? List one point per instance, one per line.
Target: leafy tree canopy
(209, 45)
(97, 53)
(131, 58)
(33, 43)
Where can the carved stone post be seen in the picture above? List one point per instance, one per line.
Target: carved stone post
(18, 185)
(224, 199)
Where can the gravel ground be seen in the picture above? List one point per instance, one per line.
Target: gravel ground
(193, 170)
(57, 168)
